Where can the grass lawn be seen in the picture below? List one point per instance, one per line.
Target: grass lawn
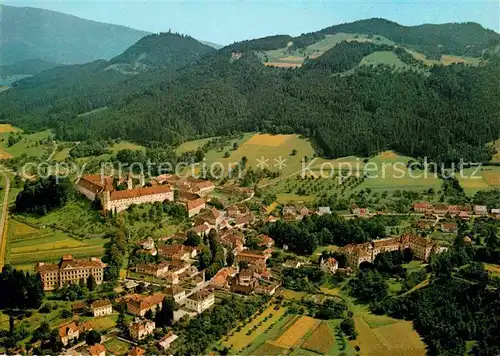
(384, 57)
(293, 295)
(117, 347)
(27, 245)
(414, 266)
(192, 145)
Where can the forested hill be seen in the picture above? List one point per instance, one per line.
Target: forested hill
(164, 49)
(31, 33)
(76, 89)
(463, 39)
(443, 112)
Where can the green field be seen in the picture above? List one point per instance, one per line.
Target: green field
(30, 144)
(27, 245)
(473, 180)
(192, 145)
(384, 57)
(117, 347)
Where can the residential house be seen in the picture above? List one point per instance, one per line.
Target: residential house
(167, 340)
(481, 210)
(177, 252)
(139, 305)
(151, 269)
(179, 269)
(177, 293)
(331, 265)
(78, 306)
(356, 210)
(97, 350)
(440, 209)
(140, 330)
(421, 207)
(220, 280)
(266, 288)
(201, 229)
(454, 209)
(137, 351)
(101, 308)
(233, 241)
(244, 282)
(243, 221)
(69, 332)
(194, 206)
(214, 217)
(200, 301)
(292, 264)
(265, 241)
(147, 246)
(464, 215)
(252, 257)
(449, 227)
(324, 210)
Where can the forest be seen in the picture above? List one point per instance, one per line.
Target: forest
(445, 112)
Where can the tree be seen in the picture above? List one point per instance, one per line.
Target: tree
(91, 283)
(165, 316)
(121, 322)
(149, 315)
(230, 258)
(235, 146)
(93, 337)
(348, 328)
(294, 152)
(227, 154)
(192, 239)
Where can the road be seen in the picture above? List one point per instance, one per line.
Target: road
(3, 218)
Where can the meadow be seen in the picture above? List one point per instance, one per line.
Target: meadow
(27, 245)
(484, 178)
(36, 144)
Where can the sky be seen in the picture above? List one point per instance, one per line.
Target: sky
(225, 22)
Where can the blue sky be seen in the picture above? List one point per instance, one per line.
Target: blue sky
(224, 22)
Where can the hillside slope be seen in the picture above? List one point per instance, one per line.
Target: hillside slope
(31, 33)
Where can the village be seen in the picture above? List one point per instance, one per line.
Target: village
(168, 272)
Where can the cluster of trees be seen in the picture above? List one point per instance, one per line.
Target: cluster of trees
(44, 194)
(305, 236)
(22, 290)
(90, 148)
(307, 279)
(212, 325)
(115, 255)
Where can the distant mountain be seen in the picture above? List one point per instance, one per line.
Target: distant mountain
(20, 70)
(211, 44)
(31, 33)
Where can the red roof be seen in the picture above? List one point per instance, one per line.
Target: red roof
(139, 192)
(193, 204)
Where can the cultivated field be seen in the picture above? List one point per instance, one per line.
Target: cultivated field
(473, 180)
(383, 337)
(321, 340)
(494, 269)
(241, 339)
(27, 245)
(8, 128)
(294, 335)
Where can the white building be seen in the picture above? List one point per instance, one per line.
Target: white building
(101, 308)
(200, 301)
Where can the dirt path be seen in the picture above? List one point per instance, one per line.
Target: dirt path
(3, 219)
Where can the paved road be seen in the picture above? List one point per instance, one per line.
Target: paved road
(3, 217)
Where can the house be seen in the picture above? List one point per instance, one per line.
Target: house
(440, 209)
(194, 206)
(167, 340)
(151, 269)
(302, 211)
(200, 301)
(244, 220)
(220, 280)
(424, 225)
(69, 270)
(324, 210)
(265, 241)
(101, 308)
(178, 270)
(252, 257)
(233, 241)
(97, 350)
(78, 306)
(177, 252)
(232, 211)
(147, 244)
(202, 187)
(331, 265)
(69, 332)
(177, 293)
(244, 282)
(449, 227)
(421, 207)
(454, 209)
(495, 211)
(137, 351)
(266, 288)
(138, 304)
(480, 210)
(140, 330)
(214, 217)
(359, 211)
(201, 230)
(464, 215)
